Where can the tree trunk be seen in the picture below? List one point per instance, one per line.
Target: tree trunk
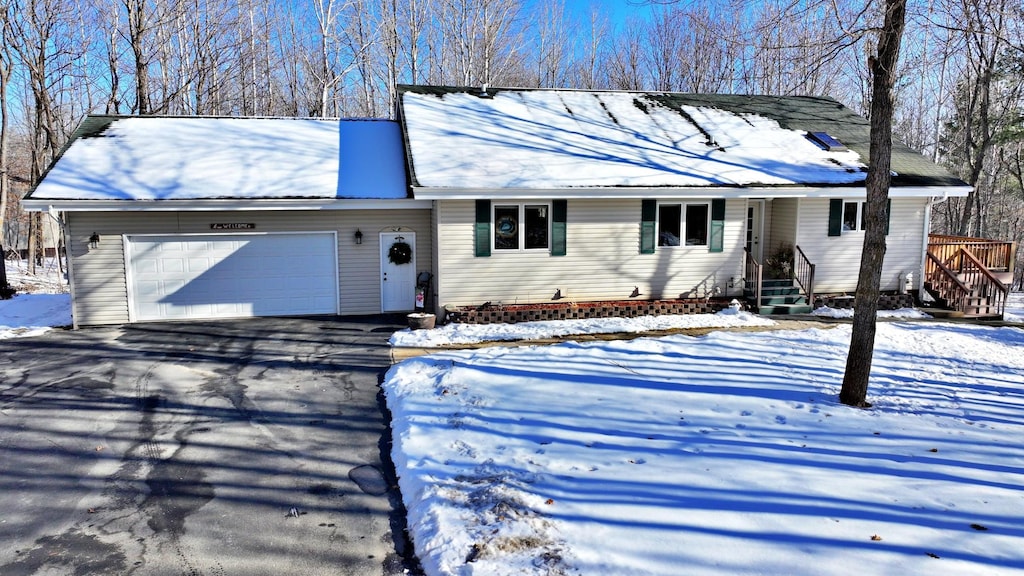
(883, 72)
(6, 64)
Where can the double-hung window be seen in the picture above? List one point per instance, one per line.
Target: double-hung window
(846, 216)
(853, 216)
(522, 226)
(683, 224)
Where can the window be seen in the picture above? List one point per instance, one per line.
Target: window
(853, 216)
(683, 224)
(521, 227)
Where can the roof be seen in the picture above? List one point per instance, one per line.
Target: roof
(119, 158)
(538, 139)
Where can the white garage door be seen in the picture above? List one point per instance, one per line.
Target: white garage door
(232, 276)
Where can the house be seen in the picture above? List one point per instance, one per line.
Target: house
(618, 196)
(506, 196)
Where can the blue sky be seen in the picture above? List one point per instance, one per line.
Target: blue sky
(616, 10)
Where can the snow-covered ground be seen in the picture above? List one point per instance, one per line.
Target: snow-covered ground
(723, 454)
(42, 301)
(1014, 308)
(450, 334)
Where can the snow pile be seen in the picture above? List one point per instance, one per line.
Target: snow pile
(724, 454)
(572, 139)
(904, 313)
(474, 333)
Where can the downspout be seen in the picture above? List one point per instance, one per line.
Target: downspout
(924, 242)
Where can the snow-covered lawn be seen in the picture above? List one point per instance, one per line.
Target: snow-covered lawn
(42, 301)
(723, 454)
(474, 333)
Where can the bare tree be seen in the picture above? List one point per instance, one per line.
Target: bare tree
(883, 79)
(6, 67)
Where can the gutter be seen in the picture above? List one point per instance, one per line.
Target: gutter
(215, 205)
(727, 192)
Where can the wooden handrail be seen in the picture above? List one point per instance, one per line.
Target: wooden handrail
(752, 276)
(804, 272)
(968, 286)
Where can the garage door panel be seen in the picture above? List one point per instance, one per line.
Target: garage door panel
(178, 277)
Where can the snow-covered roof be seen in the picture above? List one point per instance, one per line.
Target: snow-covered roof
(202, 158)
(525, 139)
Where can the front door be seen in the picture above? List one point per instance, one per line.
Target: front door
(398, 271)
(755, 229)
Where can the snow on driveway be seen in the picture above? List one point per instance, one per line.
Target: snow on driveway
(724, 454)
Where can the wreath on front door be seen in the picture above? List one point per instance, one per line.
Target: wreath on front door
(400, 253)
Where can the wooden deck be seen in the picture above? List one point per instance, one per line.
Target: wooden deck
(970, 275)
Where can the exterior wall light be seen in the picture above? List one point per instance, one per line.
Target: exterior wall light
(94, 240)
(359, 236)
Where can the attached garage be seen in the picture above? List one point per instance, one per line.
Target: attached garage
(231, 276)
(214, 218)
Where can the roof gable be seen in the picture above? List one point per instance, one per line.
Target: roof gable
(459, 138)
(190, 158)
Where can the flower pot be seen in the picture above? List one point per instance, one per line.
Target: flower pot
(421, 321)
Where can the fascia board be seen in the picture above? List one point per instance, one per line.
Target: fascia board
(426, 193)
(206, 205)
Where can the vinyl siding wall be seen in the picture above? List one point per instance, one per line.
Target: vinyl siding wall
(603, 260)
(837, 258)
(783, 224)
(100, 290)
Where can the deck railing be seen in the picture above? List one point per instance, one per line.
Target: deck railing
(995, 255)
(966, 281)
(753, 276)
(804, 272)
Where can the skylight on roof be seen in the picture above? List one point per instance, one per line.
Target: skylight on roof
(826, 141)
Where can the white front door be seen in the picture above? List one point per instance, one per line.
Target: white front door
(755, 229)
(398, 277)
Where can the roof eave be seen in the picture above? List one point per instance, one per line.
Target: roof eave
(214, 205)
(858, 190)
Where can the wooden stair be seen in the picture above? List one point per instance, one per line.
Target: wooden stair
(780, 297)
(969, 275)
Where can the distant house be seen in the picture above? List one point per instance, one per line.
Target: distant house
(505, 196)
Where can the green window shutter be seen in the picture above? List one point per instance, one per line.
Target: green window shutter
(483, 228)
(558, 213)
(716, 236)
(888, 214)
(835, 217)
(648, 216)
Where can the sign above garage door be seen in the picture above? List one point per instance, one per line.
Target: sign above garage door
(178, 277)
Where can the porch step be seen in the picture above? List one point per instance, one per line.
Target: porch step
(780, 297)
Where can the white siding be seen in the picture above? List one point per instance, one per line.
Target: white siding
(783, 223)
(837, 258)
(100, 294)
(603, 260)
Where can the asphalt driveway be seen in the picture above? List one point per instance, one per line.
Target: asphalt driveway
(220, 448)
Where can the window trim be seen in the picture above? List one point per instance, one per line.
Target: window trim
(521, 207)
(683, 204)
(859, 218)
(837, 216)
